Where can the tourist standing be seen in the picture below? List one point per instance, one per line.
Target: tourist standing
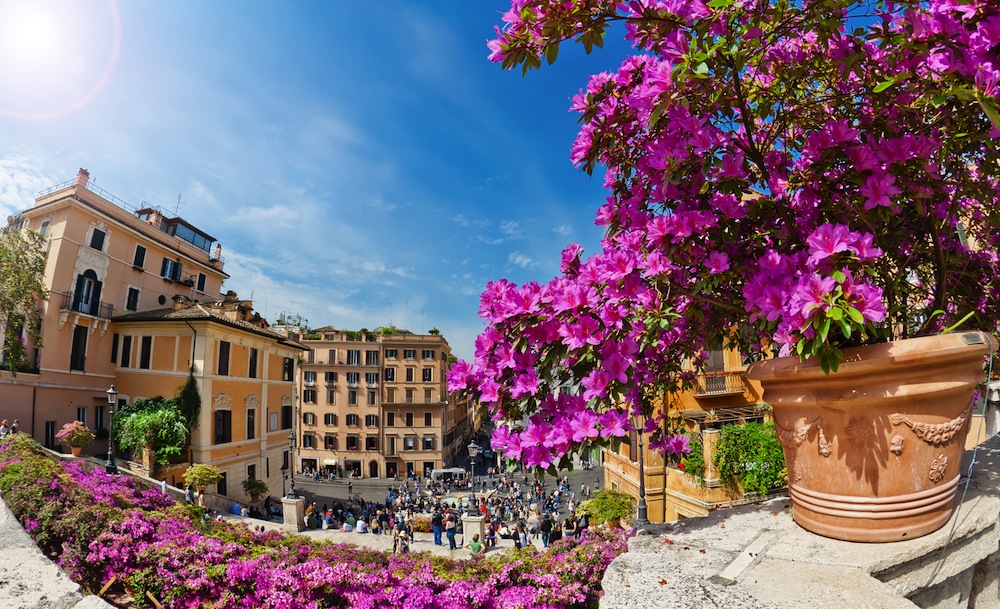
(546, 529)
(449, 532)
(437, 521)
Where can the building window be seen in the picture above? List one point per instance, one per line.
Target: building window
(390, 374)
(390, 354)
(352, 398)
(371, 358)
(428, 419)
(273, 423)
(353, 357)
(126, 351)
(309, 396)
(428, 443)
(371, 420)
(331, 396)
(132, 299)
(330, 419)
(409, 443)
(97, 240)
(252, 471)
(221, 488)
(251, 424)
(371, 379)
(309, 376)
(428, 354)
(331, 357)
(223, 426)
(409, 419)
(428, 375)
(43, 230)
(114, 348)
(330, 378)
(145, 352)
(50, 434)
(353, 378)
(427, 396)
(171, 269)
(353, 420)
(409, 396)
(352, 443)
(371, 398)
(252, 369)
(201, 281)
(87, 297)
(308, 418)
(81, 414)
(139, 257)
(390, 394)
(224, 357)
(391, 445)
(330, 442)
(409, 353)
(409, 375)
(390, 419)
(286, 417)
(78, 353)
(371, 443)
(308, 440)
(288, 369)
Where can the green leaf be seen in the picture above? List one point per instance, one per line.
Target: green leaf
(882, 86)
(701, 69)
(836, 313)
(855, 315)
(990, 108)
(551, 52)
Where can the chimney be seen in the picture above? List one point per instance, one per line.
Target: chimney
(82, 177)
(180, 301)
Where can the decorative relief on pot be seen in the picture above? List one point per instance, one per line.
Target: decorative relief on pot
(896, 444)
(935, 435)
(937, 468)
(795, 437)
(860, 432)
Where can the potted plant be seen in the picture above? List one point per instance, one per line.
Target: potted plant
(255, 488)
(780, 179)
(201, 475)
(76, 435)
(608, 506)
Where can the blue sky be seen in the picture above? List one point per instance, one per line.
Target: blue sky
(361, 163)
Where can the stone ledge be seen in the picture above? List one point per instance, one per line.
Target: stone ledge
(757, 557)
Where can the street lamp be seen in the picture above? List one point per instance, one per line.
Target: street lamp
(291, 467)
(473, 452)
(111, 467)
(641, 519)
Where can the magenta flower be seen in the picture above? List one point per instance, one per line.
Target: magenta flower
(877, 190)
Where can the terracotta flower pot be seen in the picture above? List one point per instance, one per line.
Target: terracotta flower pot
(76, 450)
(873, 451)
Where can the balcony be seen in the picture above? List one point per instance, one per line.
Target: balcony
(86, 305)
(309, 382)
(373, 385)
(352, 384)
(718, 384)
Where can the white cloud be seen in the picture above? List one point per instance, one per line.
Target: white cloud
(521, 260)
(511, 229)
(22, 177)
(563, 229)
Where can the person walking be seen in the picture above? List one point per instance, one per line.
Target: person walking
(437, 521)
(546, 529)
(449, 532)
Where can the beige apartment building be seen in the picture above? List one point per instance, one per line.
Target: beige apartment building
(376, 404)
(134, 301)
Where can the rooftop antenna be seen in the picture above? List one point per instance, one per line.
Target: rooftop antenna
(177, 207)
(390, 312)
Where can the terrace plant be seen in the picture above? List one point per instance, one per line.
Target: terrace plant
(608, 505)
(255, 488)
(75, 434)
(799, 177)
(201, 475)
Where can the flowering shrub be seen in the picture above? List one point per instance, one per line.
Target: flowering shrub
(807, 175)
(99, 527)
(76, 434)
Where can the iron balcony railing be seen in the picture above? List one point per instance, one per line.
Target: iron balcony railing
(720, 383)
(85, 305)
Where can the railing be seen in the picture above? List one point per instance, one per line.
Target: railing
(421, 400)
(102, 310)
(720, 383)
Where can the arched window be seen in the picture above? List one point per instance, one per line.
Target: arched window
(87, 296)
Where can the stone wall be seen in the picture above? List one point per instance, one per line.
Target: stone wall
(756, 556)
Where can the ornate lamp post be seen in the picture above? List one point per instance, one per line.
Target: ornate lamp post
(473, 453)
(111, 467)
(291, 467)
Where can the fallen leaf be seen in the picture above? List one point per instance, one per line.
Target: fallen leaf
(722, 526)
(687, 547)
(702, 550)
(774, 513)
(668, 542)
(663, 582)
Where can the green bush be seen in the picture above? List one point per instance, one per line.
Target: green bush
(157, 424)
(607, 505)
(693, 463)
(750, 456)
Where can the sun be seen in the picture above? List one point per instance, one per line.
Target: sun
(55, 55)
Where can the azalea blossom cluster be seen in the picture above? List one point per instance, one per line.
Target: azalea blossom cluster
(120, 531)
(799, 177)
